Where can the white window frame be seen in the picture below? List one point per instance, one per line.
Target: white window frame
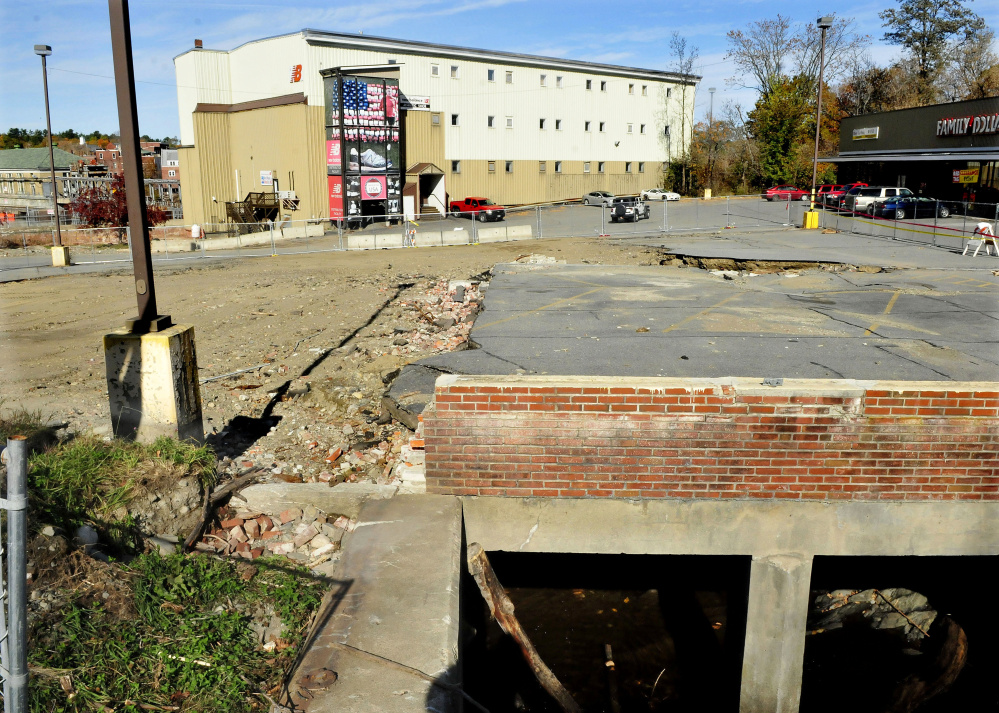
(558, 167)
(558, 81)
(541, 123)
(586, 126)
(435, 118)
(669, 92)
(601, 165)
(542, 166)
(627, 166)
(455, 71)
(631, 128)
(645, 90)
(508, 166)
(509, 77)
(603, 85)
(558, 125)
(641, 128)
(490, 75)
(631, 89)
(509, 122)
(586, 166)
(544, 80)
(455, 166)
(601, 126)
(455, 120)
(172, 174)
(491, 166)
(589, 85)
(490, 122)
(435, 70)
(641, 166)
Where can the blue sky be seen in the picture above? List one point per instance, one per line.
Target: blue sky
(634, 34)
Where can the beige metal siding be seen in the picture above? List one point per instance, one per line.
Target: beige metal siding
(528, 185)
(424, 141)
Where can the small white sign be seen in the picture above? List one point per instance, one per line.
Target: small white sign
(267, 178)
(870, 132)
(411, 102)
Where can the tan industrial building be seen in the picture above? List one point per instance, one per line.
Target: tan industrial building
(516, 128)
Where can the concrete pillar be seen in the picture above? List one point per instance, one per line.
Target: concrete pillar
(153, 384)
(60, 256)
(775, 633)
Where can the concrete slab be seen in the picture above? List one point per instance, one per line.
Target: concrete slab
(397, 598)
(343, 499)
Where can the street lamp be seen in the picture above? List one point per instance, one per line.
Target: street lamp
(44, 51)
(711, 111)
(824, 24)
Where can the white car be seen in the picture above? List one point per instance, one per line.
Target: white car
(658, 194)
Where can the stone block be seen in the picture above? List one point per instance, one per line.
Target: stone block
(153, 386)
(60, 256)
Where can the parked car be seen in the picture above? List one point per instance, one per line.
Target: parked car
(834, 197)
(630, 209)
(658, 194)
(902, 207)
(783, 193)
(598, 198)
(822, 191)
(481, 208)
(863, 200)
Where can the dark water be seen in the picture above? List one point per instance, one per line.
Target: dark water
(676, 626)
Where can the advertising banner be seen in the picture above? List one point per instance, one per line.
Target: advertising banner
(373, 188)
(333, 157)
(967, 175)
(267, 178)
(336, 197)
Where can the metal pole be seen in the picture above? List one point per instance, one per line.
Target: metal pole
(16, 675)
(824, 23)
(44, 50)
(148, 318)
(539, 221)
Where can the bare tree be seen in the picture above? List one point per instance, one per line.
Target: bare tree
(764, 52)
(677, 110)
(867, 88)
(973, 70)
(843, 46)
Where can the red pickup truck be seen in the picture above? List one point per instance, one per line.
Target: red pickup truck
(481, 208)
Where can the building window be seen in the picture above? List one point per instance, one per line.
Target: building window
(435, 70)
(390, 61)
(627, 166)
(603, 86)
(586, 166)
(558, 125)
(541, 123)
(631, 128)
(456, 167)
(645, 90)
(542, 166)
(586, 126)
(669, 92)
(602, 123)
(490, 75)
(558, 82)
(641, 129)
(600, 166)
(641, 166)
(589, 84)
(435, 119)
(509, 122)
(492, 166)
(631, 89)
(454, 71)
(172, 174)
(509, 166)
(509, 77)
(544, 80)
(454, 120)
(490, 121)
(558, 167)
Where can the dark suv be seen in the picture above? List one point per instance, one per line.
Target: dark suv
(629, 208)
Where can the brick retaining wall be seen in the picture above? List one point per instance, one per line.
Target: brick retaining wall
(713, 438)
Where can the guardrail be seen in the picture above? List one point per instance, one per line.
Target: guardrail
(13, 596)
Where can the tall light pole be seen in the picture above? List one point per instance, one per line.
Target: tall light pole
(824, 24)
(44, 51)
(711, 110)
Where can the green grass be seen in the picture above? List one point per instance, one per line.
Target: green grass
(189, 645)
(88, 481)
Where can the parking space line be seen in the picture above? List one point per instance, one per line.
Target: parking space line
(891, 303)
(539, 309)
(701, 313)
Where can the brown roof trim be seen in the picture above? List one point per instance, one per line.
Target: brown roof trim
(284, 100)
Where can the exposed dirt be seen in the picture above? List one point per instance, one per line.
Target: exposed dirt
(760, 267)
(320, 336)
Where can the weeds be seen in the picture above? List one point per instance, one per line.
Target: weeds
(91, 481)
(19, 422)
(189, 646)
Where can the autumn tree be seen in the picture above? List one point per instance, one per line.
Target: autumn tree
(778, 123)
(926, 28)
(104, 205)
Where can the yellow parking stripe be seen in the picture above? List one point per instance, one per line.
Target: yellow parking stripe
(701, 313)
(539, 309)
(891, 303)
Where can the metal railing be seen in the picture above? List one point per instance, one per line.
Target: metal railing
(13, 596)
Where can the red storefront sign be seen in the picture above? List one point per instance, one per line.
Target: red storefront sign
(373, 188)
(336, 196)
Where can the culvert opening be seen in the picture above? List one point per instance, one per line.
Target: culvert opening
(675, 626)
(901, 634)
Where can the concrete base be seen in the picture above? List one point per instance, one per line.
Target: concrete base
(395, 595)
(60, 256)
(153, 384)
(343, 499)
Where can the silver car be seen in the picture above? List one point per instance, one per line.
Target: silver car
(598, 198)
(863, 200)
